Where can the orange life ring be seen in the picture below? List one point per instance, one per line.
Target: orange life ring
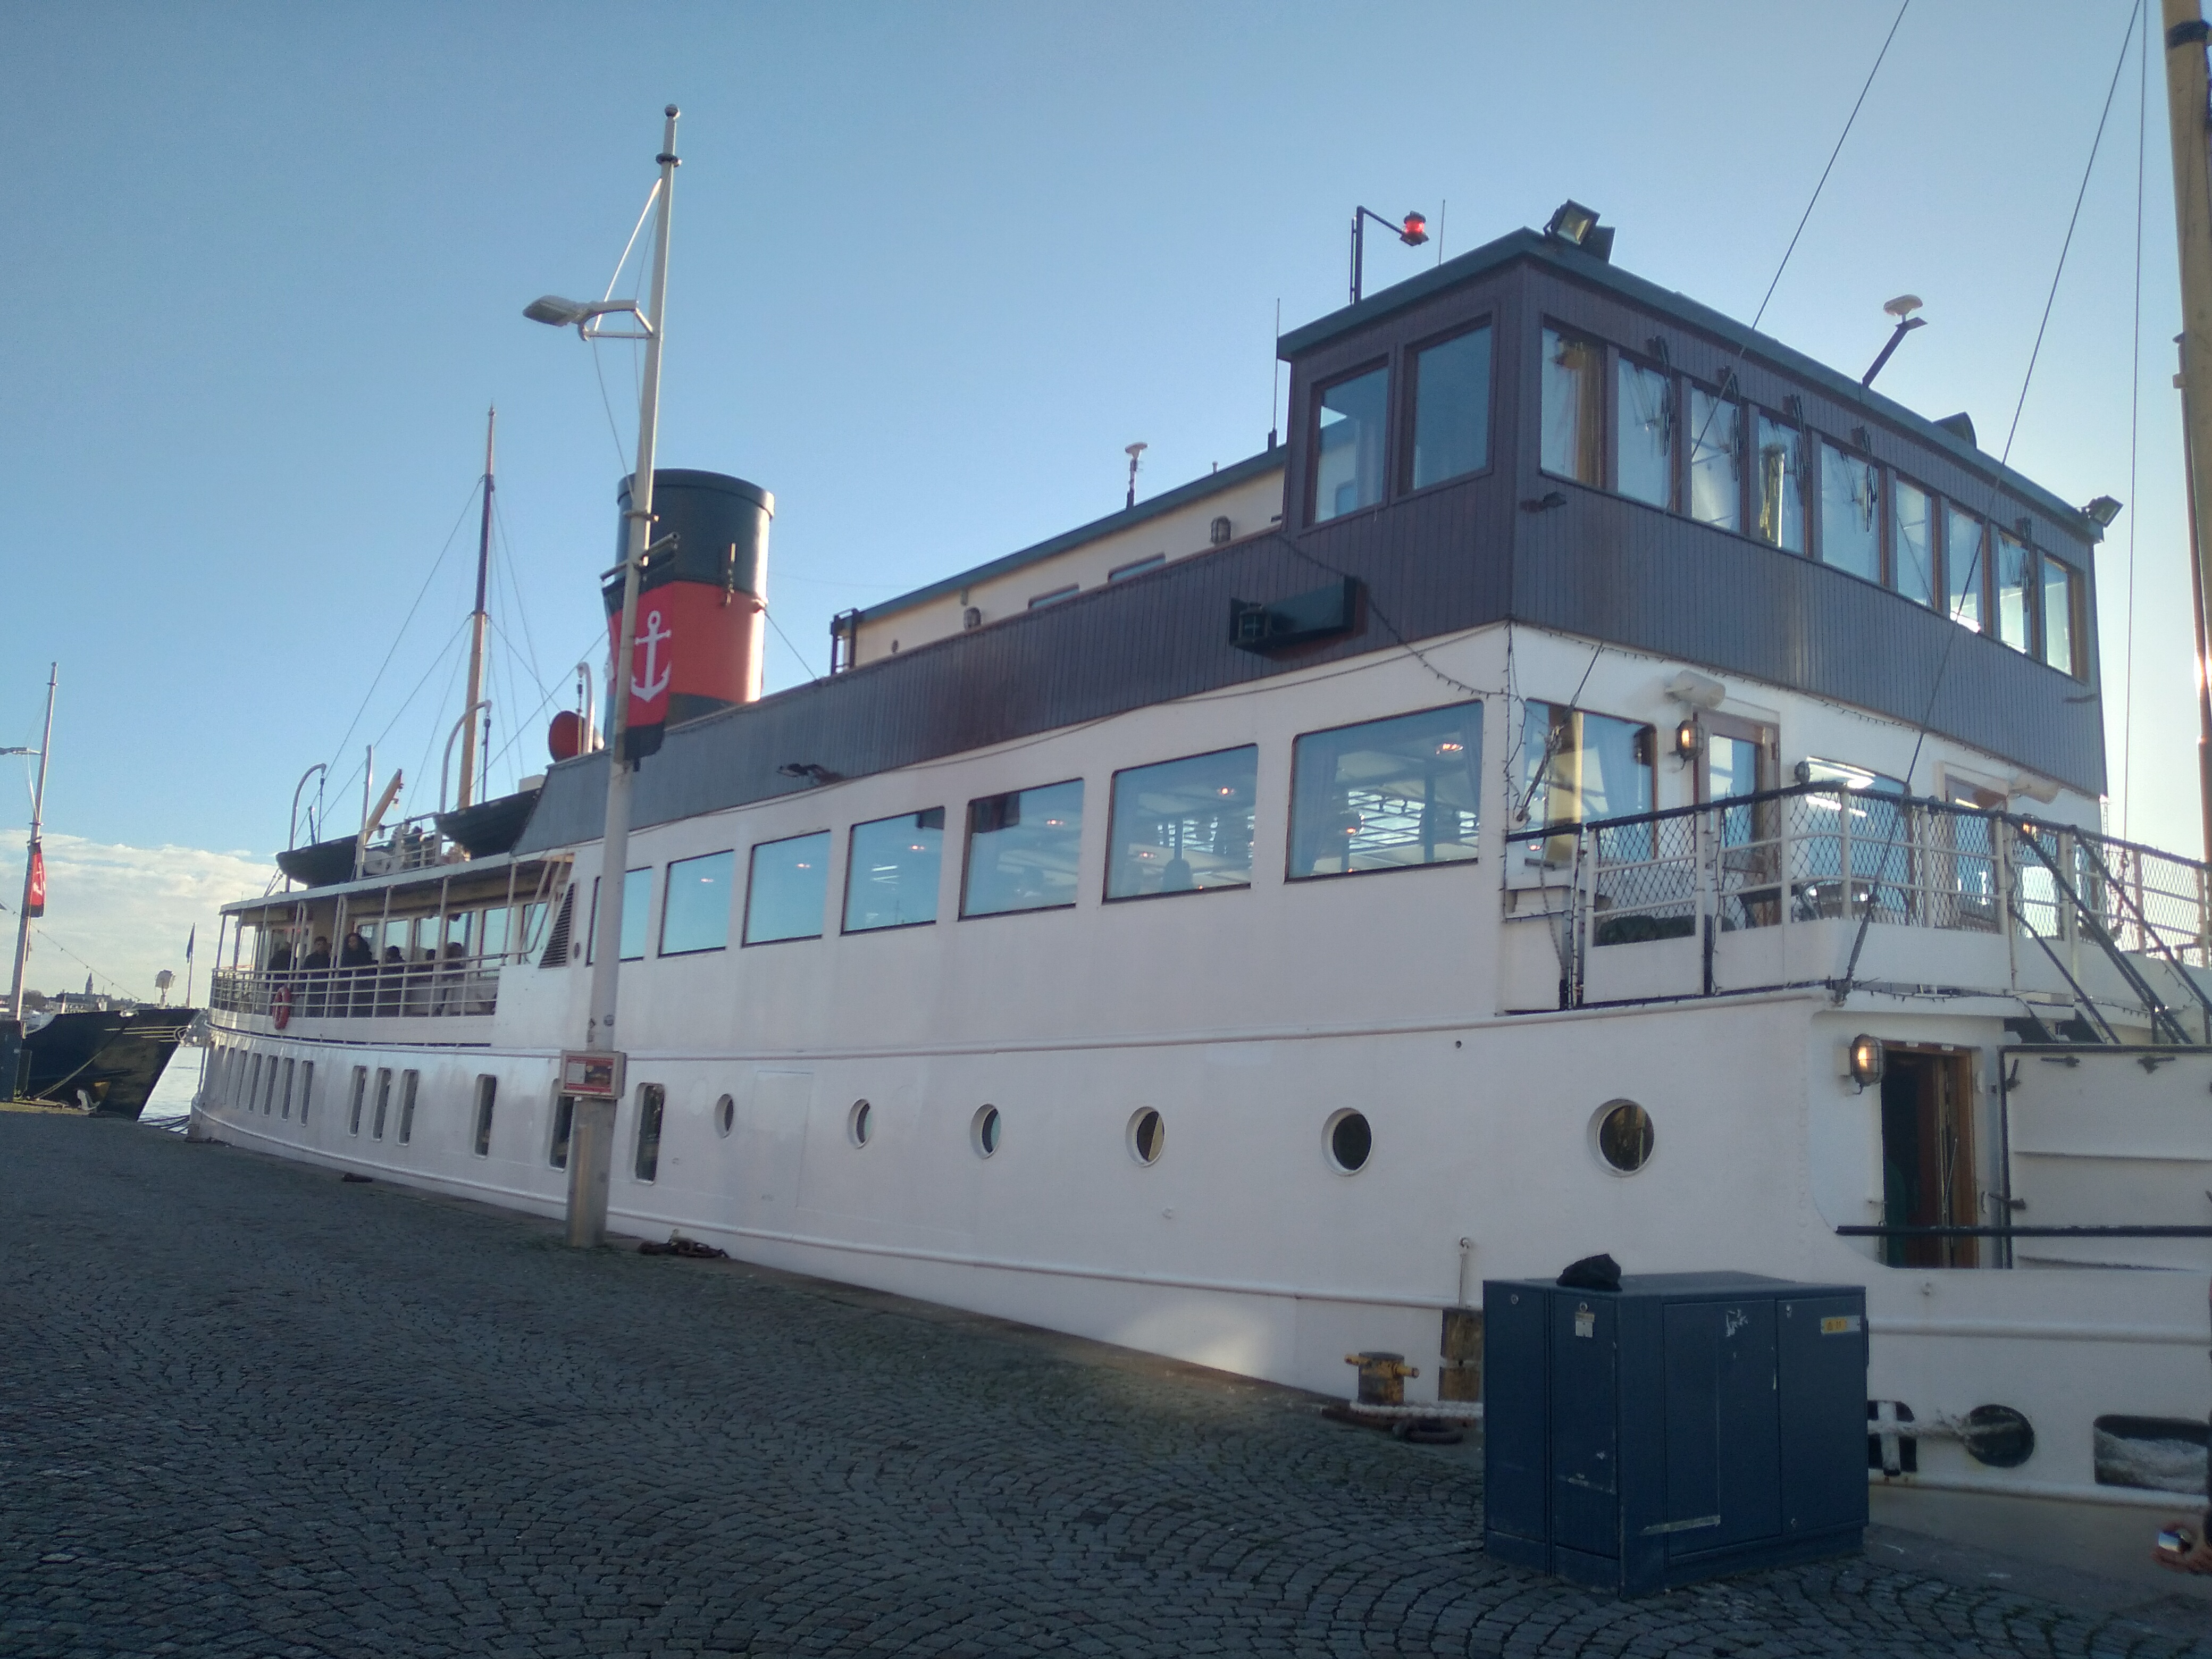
(280, 1006)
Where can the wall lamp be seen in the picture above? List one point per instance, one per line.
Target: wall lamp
(2101, 512)
(1578, 226)
(1412, 231)
(1687, 741)
(1869, 1060)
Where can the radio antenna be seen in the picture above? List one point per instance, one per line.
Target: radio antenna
(1275, 391)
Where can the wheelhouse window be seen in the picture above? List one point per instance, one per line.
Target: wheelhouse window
(1962, 567)
(1579, 767)
(1780, 481)
(1387, 794)
(1850, 513)
(1573, 441)
(1023, 849)
(1643, 433)
(637, 900)
(2061, 598)
(789, 889)
(1352, 420)
(1183, 826)
(1716, 460)
(892, 871)
(1913, 541)
(1451, 408)
(695, 914)
(2015, 601)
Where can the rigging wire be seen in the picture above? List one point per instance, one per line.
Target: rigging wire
(339, 747)
(1843, 984)
(2135, 431)
(505, 548)
(787, 645)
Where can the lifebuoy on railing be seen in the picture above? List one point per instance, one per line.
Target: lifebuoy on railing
(280, 1006)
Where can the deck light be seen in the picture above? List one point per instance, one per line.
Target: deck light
(1868, 1060)
(579, 314)
(1686, 740)
(2101, 512)
(1413, 230)
(1578, 226)
(1416, 231)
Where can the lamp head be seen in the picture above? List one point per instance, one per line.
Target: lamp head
(1573, 222)
(558, 312)
(1869, 1060)
(1416, 231)
(2101, 512)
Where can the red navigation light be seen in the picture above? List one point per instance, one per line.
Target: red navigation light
(565, 737)
(1416, 231)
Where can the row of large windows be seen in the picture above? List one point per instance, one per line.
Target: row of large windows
(1724, 462)
(1389, 795)
(1447, 418)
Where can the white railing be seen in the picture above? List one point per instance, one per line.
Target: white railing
(2097, 913)
(446, 987)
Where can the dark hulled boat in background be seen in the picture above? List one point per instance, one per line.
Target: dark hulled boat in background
(106, 1060)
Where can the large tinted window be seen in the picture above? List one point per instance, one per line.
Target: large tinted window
(695, 915)
(1451, 408)
(1645, 433)
(1780, 485)
(1850, 513)
(1183, 825)
(1578, 767)
(1716, 460)
(1915, 539)
(1573, 443)
(891, 873)
(2015, 617)
(1387, 794)
(637, 896)
(789, 889)
(1962, 567)
(1023, 849)
(1352, 420)
(2060, 586)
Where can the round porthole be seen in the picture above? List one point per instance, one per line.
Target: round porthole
(859, 1122)
(726, 1115)
(1622, 1131)
(1999, 1435)
(1148, 1136)
(1350, 1140)
(983, 1132)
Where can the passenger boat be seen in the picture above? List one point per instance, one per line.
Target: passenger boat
(1730, 733)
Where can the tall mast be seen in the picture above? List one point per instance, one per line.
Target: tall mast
(2187, 118)
(479, 619)
(30, 857)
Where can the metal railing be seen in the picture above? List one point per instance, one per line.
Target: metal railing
(446, 987)
(1826, 851)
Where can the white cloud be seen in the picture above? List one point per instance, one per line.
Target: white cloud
(124, 913)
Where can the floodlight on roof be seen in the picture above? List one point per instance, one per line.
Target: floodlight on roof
(1573, 223)
(2101, 512)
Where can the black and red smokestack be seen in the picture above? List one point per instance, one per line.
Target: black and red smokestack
(699, 608)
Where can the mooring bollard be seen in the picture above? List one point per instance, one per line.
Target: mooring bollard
(1381, 1377)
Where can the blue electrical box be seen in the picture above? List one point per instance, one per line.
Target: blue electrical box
(1681, 1427)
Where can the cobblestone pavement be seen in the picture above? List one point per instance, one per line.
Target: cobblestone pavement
(248, 1409)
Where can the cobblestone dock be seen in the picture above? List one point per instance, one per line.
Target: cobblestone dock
(248, 1409)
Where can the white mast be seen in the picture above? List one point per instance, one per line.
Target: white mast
(31, 856)
(591, 1144)
(2186, 116)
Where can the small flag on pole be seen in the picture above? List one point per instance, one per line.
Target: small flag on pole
(35, 902)
(189, 939)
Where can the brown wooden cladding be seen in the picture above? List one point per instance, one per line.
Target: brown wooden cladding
(1453, 557)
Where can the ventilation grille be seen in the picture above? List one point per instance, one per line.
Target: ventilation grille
(556, 942)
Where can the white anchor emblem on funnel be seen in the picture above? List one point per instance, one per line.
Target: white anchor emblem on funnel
(649, 689)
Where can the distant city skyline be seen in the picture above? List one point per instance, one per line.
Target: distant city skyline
(932, 271)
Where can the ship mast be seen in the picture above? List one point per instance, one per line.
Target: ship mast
(479, 620)
(31, 871)
(2191, 132)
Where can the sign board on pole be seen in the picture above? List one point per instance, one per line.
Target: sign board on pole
(592, 1073)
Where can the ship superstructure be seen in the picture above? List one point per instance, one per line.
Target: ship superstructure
(1632, 788)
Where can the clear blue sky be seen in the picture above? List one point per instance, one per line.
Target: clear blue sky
(934, 266)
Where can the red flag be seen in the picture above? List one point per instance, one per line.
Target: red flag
(35, 895)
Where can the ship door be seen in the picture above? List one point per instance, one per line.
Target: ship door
(1928, 1155)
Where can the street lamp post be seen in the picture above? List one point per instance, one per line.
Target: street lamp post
(31, 872)
(591, 1135)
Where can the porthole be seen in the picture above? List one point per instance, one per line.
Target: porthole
(1350, 1140)
(983, 1132)
(1622, 1134)
(859, 1122)
(726, 1115)
(1148, 1136)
